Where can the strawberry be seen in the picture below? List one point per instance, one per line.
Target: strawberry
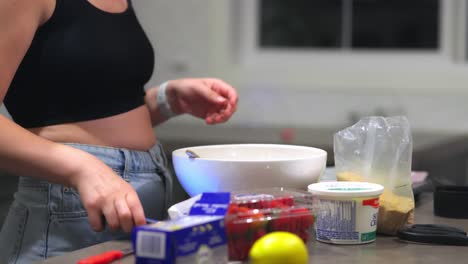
(235, 224)
(303, 220)
(287, 200)
(280, 221)
(243, 227)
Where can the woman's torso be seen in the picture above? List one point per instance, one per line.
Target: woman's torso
(131, 129)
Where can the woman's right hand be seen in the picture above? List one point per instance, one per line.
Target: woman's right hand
(105, 194)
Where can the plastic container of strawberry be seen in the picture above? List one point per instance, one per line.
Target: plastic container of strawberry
(252, 214)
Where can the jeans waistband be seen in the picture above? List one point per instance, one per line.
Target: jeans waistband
(120, 159)
(125, 159)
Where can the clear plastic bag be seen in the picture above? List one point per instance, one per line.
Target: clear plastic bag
(378, 150)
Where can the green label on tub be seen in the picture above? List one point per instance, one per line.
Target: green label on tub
(349, 189)
(368, 236)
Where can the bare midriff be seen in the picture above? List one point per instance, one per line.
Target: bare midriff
(131, 130)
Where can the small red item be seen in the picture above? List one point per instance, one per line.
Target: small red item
(106, 257)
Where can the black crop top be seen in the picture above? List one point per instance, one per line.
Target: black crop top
(83, 64)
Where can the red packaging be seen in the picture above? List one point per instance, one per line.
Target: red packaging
(252, 214)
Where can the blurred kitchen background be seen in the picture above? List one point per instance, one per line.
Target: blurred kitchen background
(305, 69)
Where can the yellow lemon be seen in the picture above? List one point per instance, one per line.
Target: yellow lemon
(279, 248)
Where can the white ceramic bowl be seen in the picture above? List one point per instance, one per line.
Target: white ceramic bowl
(248, 166)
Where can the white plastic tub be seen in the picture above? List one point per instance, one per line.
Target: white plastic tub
(347, 211)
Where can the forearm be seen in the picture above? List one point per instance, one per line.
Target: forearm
(24, 153)
(152, 103)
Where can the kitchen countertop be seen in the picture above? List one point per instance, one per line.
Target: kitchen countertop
(384, 250)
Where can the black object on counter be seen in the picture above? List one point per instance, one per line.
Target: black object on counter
(451, 201)
(434, 234)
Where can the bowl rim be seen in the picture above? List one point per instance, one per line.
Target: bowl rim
(181, 152)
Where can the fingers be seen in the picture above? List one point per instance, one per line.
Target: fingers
(135, 207)
(213, 96)
(124, 214)
(222, 114)
(110, 213)
(95, 219)
(219, 115)
(225, 90)
(211, 99)
(120, 210)
(124, 211)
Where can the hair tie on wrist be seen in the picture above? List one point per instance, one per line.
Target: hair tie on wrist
(163, 104)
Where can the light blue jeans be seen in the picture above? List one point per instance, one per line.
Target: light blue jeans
(47, 219)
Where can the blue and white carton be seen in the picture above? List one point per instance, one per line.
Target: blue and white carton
(197, 238)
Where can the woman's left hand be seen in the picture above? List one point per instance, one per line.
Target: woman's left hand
(210, 99)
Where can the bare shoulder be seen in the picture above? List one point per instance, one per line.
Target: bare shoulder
(48, 7)
(19, 20)
(36, 12)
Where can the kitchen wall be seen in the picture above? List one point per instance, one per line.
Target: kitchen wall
(194, 38)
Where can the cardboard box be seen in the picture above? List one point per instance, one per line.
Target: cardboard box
(190, 239)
